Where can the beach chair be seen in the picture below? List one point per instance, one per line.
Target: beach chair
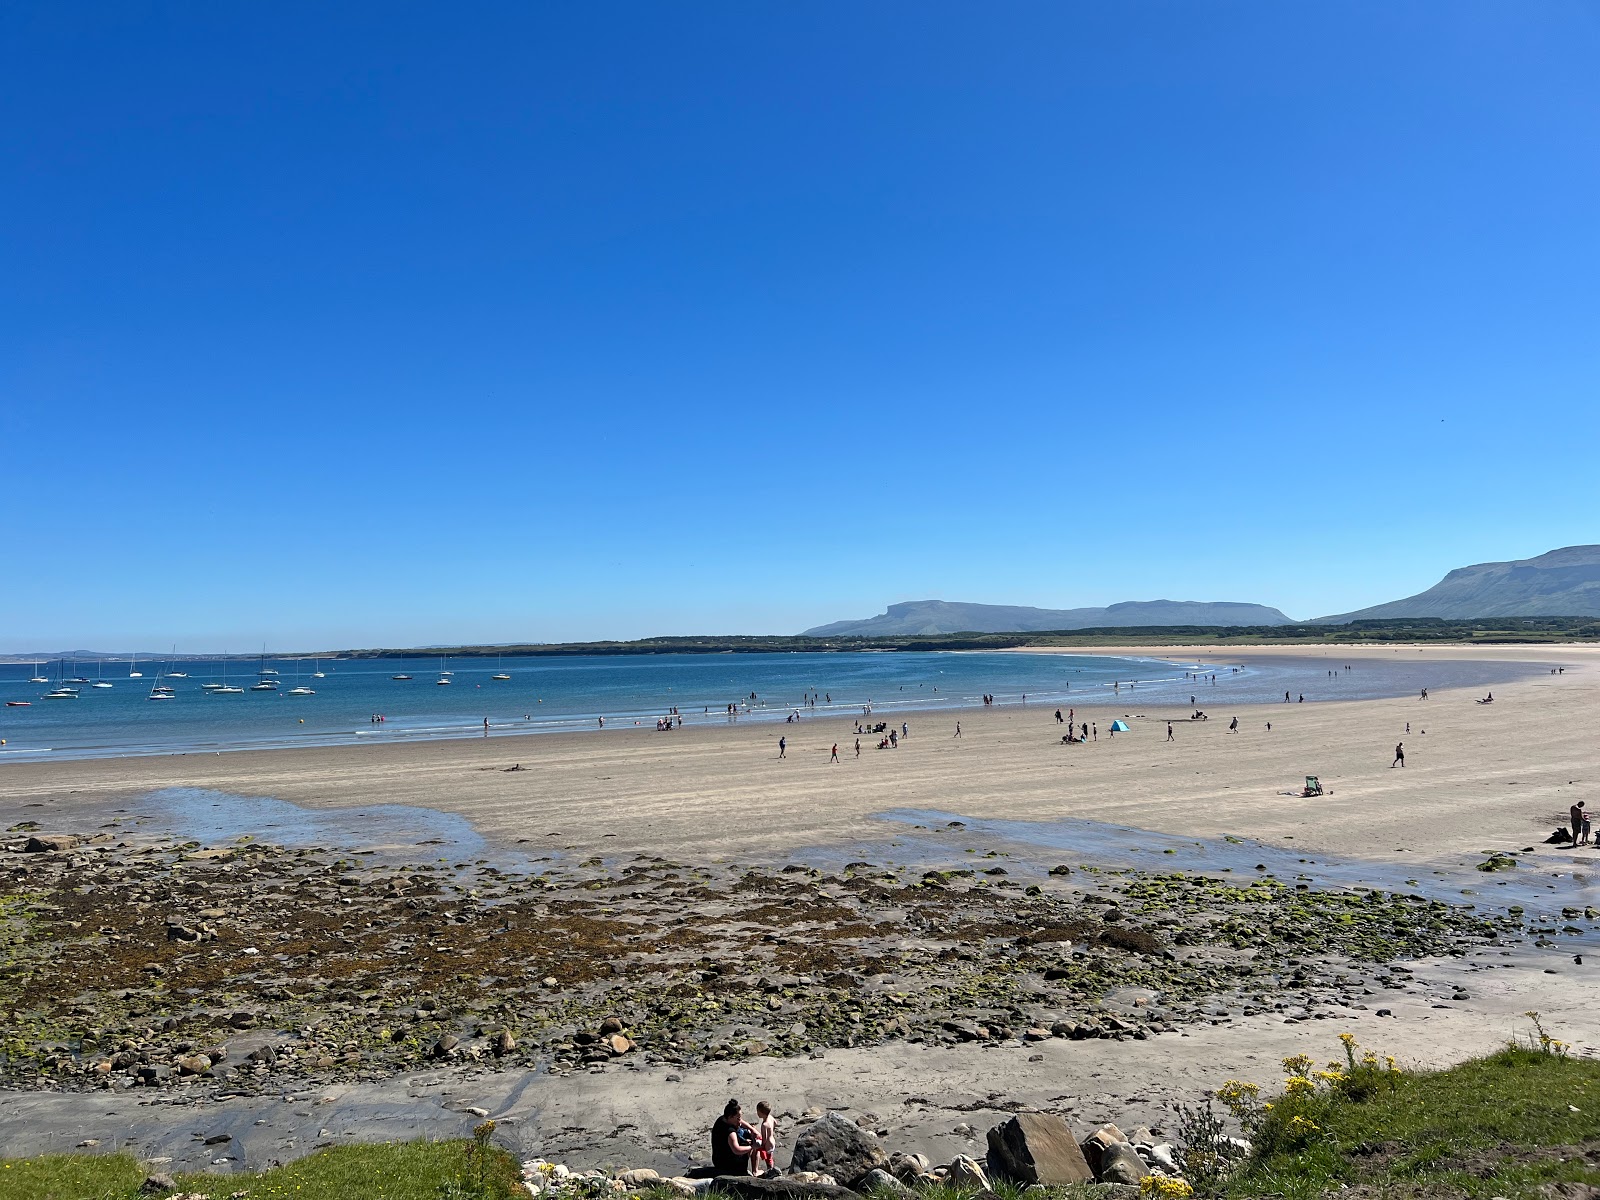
(1313, 786)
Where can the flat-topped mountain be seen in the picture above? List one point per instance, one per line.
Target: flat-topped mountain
(939, 616)
(1562, 583)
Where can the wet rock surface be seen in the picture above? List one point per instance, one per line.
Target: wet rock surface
(248, 968)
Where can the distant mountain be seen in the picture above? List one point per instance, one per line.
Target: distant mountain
(1562, 583)
(937, 616)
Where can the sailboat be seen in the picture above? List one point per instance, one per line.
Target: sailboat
(265, 670)
(176, 674)
(444, 675)
(133, 668)
(61, 690)
(99, 669)
(76, 678)
(38, 678)
(297, 689)
(224, 688)
(159, 690)
(317, 674)
(500, 671)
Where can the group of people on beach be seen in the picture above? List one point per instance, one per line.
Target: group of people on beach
(740, 1148)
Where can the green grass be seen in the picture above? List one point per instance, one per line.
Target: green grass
(407, 1171)
(1499, 1126)
(1490, 1127)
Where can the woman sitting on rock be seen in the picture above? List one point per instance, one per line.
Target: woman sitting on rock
(733, 1142)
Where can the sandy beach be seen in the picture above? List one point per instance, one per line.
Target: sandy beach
(1473, 772)
(1497, 776)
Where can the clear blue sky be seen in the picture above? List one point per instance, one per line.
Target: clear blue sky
(393, 324)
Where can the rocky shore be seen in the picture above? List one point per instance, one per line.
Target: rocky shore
(134, 962)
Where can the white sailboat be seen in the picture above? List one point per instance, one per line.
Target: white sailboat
(317, 674)
(223, 688)
(133, 668)
(161, 691)
(499, 668)
(38, 678)
(298, 689)
(99, 672)
(61, 691)
(444, 675)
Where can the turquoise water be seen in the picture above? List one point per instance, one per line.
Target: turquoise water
(551, 694)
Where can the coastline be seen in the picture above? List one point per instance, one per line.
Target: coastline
(721, 790)
(720, 802)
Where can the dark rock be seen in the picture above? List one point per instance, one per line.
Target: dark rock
(837, 1147)
(611, 1025)
(157, 1183)
(748, 1187)
(49, 843)
(1037, 1148)
(242, 1020)
(443, 1046)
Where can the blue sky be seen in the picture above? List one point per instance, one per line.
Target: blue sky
(385, 325)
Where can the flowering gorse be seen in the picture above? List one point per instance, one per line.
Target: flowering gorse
(1165, 1187)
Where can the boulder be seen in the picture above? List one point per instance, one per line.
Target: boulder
(1037, 1148)
(836, 1146)
(192, 1064)
(882, 1183)
(443, 1046)
(49, 843)
(908, 1167)
(504, 1043)
(1120, 1163)
(1094, 1146)
(750, 1187)
(965, 1174)
(643, 1177)
(156, 1183)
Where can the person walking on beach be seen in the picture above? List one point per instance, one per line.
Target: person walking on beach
(1399, 756)
(783, 746)
(834, 757)
(1233, 725)
(1286, 697)
(1170, 738)
(1579, 815)
(958, 729)
(858, 747)
(1097, 731)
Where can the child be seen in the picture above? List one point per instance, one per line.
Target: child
(767, 1132)
(1586, 827)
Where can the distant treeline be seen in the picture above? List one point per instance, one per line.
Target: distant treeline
(1404, 629)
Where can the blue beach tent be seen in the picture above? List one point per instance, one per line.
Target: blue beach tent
(1118, 727)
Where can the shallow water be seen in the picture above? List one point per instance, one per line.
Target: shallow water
(386, 832)
(572, 694)
(1542, 886)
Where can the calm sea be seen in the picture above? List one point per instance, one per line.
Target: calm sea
(550, 694)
